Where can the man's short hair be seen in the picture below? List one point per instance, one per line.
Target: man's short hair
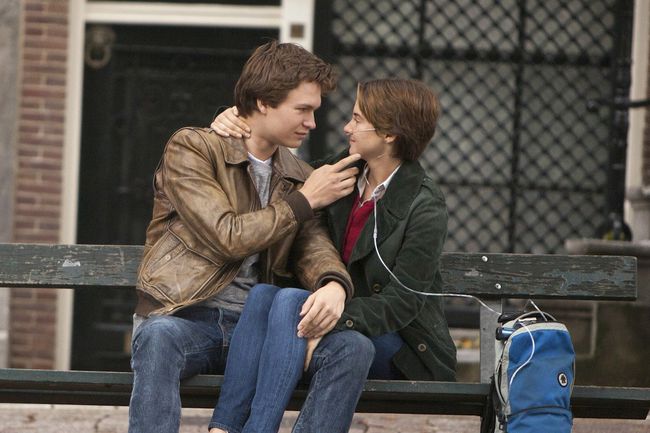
(274, 69)
(407, 109)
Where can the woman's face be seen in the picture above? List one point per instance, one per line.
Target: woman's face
(363, 137)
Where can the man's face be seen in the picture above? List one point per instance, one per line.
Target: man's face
(289, 123)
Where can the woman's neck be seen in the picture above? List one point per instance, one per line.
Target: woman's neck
(380, 169)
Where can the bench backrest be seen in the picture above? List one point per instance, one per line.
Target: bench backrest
(490, 276)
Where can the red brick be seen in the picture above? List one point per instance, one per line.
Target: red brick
(50, 115)
(39, 163)
(52, 178)
(56, 43)
(30, 103)
(57, 31)
(49, 18)
(56, 56)
(42, 92)
(33, 31)
(36, 212)
(47, 68)
(40, 238)
(53, 226)
(51, 129)
(55, 103)
(32, 6)
(58, 6)
(38, 175)
(40, 141)
(27, 152)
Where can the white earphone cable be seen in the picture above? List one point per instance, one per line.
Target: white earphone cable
(455, 295)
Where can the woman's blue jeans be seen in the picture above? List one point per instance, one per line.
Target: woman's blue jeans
(167, 349)
(265, 363)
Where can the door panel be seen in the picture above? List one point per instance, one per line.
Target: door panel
(158, 79)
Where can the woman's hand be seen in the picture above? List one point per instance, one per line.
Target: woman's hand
(312, 344)
(228, 123)
(322, 310)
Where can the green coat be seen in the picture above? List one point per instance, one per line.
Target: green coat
(412, 226)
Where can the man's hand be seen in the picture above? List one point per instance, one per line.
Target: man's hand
(329, 183)
(312, 344)
(322, 310)
(228, 123)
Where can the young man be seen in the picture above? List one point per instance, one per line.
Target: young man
(227, 214)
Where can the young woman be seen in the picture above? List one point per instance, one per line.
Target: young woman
(390, 233)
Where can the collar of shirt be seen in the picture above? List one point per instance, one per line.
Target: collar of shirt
(266, 162)
(380, 190)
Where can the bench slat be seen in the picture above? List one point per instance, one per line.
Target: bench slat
(485, 275)
(112, 388)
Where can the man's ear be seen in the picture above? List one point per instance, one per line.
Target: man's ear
(261, 106)
(390, 139)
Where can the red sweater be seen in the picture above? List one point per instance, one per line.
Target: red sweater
(356, 221)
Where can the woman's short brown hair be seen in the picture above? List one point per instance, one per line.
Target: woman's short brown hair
(274, 69)
(407, 109)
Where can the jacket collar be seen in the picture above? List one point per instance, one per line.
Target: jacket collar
(285, 163)
(403, 188)
(393, 207)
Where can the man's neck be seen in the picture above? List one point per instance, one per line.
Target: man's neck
(257, 146)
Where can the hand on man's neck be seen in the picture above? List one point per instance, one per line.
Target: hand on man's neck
(257, 145)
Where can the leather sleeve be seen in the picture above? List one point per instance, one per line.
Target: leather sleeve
(316, 260)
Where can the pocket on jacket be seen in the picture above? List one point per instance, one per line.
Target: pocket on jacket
(175, 273)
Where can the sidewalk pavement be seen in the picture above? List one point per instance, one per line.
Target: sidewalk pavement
(21, 418)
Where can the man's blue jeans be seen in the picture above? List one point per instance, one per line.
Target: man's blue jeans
(167, 349)
(265, 363)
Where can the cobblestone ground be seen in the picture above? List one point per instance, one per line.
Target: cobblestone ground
(91, 419)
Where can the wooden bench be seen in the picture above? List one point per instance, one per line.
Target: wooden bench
(492, 277)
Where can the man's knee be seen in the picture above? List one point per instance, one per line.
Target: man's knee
(364, 350)
(352, 350)
(155, 335)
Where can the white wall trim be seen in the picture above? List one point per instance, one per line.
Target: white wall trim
(638, 90)
(637, 203)
(71, 155)
(298, 13)
(183, 14)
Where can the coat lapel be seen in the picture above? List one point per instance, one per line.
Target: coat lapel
(338, 214)
(392, 208)
(386, 223)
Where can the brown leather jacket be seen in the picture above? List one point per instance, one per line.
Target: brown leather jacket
(207, 219)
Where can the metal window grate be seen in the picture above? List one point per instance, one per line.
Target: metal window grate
(521, 160)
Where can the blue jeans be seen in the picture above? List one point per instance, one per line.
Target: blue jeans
(386, 347)
(336, 375)
(265, 364)
(167, 349)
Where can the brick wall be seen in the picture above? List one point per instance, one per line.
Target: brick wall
(38, 177)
